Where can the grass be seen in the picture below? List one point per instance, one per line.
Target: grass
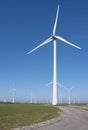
(16, 115)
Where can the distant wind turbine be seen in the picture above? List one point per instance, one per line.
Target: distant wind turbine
(54, 38)
(61, 101)
(4, 100)
(69, 94)
(74, 99)
(13, 92)
(31, 98)
(78, 100)
(58, 84)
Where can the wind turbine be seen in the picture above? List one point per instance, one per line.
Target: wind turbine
(69, 94)
(13, 90)
(60, 98)
(31, 98)
(58, 84)
(78, 100)
(74, 99)
(54, 38)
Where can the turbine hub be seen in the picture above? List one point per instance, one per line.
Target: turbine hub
(54, 38)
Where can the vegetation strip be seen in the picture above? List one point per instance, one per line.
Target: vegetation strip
(83, 107)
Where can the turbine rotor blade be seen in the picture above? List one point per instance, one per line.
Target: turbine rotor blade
(55, 24)
(60, 85)
(69, 89)
(49, 83)
(42, 44)
(62, 39)
(52, 83)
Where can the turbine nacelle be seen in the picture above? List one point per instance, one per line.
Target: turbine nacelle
(53, 37)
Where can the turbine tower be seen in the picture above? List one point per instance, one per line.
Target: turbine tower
(13, 90)
(69, 94)
(54, 38)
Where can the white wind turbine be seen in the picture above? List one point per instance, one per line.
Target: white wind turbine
(58, 84)
(31, 98)
(13, 92)
(54, 38)
(69, 94)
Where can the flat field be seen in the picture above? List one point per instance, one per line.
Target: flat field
(16, 115)
(82, 106)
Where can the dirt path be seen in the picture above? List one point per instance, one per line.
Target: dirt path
(73, 119)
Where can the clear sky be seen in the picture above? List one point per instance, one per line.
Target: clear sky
(24, 24)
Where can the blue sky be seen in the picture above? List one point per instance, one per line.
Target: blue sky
(24, 24)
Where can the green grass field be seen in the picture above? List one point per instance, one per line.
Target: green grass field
(16, 115)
